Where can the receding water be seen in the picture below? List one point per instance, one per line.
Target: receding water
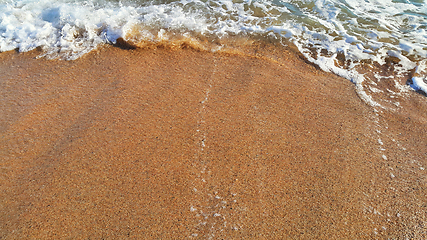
(337, 35)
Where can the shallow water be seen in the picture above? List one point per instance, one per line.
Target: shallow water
(366, 42)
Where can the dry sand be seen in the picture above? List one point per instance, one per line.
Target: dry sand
(162, 144)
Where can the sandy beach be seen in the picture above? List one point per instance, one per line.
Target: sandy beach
(177, 144)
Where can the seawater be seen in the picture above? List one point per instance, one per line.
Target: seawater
(367, 42)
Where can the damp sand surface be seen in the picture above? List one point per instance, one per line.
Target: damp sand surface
(174, 144)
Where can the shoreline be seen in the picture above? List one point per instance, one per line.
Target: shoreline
(162, 143)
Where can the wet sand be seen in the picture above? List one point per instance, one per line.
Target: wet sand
(162, 144)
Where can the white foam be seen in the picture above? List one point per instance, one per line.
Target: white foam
(419, 81)
(74, 28)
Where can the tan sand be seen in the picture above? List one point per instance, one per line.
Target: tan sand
(161, 144)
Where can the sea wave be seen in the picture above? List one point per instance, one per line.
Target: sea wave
(365, 42)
